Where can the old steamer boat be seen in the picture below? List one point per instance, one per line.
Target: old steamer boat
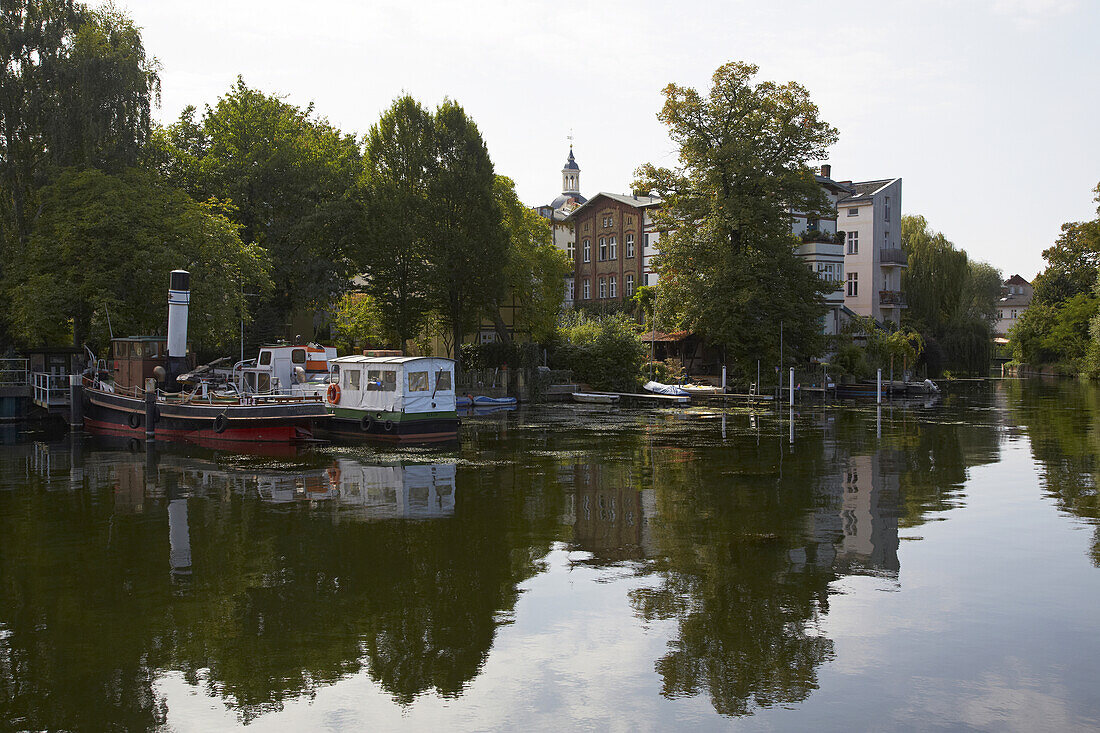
(141, 396)
(397, 399)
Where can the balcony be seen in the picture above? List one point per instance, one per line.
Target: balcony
(891, 299)
(814, 235)
(893, 257)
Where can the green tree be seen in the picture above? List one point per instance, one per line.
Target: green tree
(290, 176)
(727, 256)
(76, 90)
(1053, 334)
(398, 159)
(358, 319)
(1072, 261)
(535, 271)
(952, 300)
(468, 244)
(102, 248)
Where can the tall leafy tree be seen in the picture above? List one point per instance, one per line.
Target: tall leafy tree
(727, 263)
(535, 271)
(1072, 261)
(76, 88)
(290, 177)
(399, 159)
(467, 243)
(100, 254)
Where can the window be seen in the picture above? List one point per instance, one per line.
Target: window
(853, 243)
(885, 240)
(603, 249)
(1014, 314)
(351, 379)
(612, 252)
(645, 241)
(853, 284)
(628, 286)
(886, 214)
(443, 381)
(586, 226)
(612, 282)
(630, 220)
(418, 381)
(587, 251)
(603, 287)
(265, 357)
(298, 356)
(569, 290)
(570, 250)
(853, 212)
(629, 245)
(587, 290)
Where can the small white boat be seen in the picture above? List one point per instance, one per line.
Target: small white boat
(666, 389)
(700, 388)
(596, 398)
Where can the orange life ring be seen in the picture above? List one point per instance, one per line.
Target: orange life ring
(334, 394)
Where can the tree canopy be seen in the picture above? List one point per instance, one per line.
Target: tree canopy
(100, 254)
(952, 300)
(727, 264)
(289, 176)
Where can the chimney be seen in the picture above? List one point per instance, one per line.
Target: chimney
(179, 297)
(826, 171)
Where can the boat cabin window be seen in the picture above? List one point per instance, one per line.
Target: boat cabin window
(418, 381)
(335, 378)
(298, 356)
(379, 380)
(442, 381)
(265, 358)
(264, 384)
(351, 379)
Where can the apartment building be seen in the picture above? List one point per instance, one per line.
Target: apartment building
(612, 254)
(870, 217)
(1016, 295)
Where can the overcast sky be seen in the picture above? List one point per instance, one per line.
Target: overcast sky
(989, 110)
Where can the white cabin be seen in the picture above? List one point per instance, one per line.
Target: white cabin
(408, 384)
(276, 370)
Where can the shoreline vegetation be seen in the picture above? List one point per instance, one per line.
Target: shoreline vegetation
(407, 237)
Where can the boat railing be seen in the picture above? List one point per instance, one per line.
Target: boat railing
(195, 396)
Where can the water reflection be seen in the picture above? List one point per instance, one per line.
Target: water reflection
(263, 581)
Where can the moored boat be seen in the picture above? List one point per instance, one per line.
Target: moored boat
(142, 383)
(398, 399)
(596, 398)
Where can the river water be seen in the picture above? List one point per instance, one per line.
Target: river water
(914, 567)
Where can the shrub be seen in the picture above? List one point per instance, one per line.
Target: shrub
(602, 351)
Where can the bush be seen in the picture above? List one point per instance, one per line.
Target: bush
(602, 351)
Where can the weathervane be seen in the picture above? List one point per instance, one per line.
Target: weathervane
(569, 137)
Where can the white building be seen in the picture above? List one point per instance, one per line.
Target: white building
(558, 210)
(822, 249)
(870, 218)
(1016, 297)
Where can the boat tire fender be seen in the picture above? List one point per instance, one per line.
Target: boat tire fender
(388, 426)
(134, 419)
(220, 423)
(365, 423)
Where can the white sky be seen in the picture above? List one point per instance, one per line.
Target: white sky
(988, 109)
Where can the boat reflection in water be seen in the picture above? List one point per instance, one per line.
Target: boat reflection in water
(369, 492)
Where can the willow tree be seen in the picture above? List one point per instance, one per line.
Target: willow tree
(727, 264)
(75, 91)
(951, 298)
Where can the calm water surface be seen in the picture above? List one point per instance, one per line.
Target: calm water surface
(568, 568)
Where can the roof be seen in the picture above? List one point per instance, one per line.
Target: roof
(865, 191)
(359, 359)
(837, 186)
(1016, 299)
(1016, 280)
(571, 165)
(664, 337)
(562, 200)
(637, 201)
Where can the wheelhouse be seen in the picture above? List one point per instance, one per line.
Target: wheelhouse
(409, 384)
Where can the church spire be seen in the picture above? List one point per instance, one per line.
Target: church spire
(570, 175)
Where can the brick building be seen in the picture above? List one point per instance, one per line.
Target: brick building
(611, 234)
